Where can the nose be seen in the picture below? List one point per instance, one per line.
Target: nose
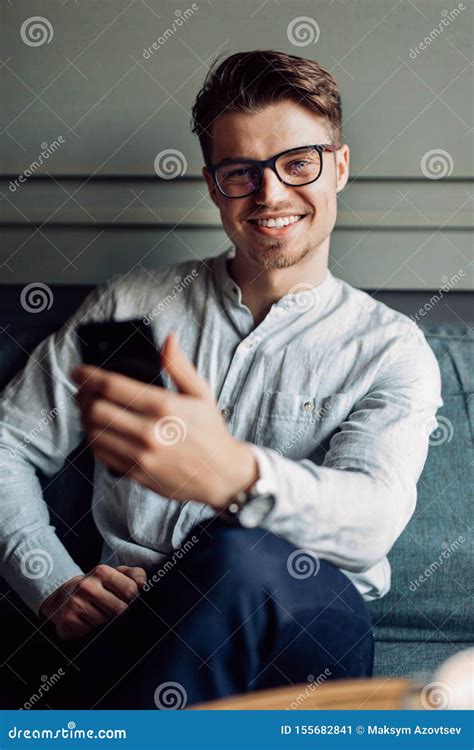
(272, 189)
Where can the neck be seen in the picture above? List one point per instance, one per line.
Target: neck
(262, 288)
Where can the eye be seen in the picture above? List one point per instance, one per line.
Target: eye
(238, 173)
(300, 164)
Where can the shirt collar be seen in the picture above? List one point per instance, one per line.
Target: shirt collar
(303, 297)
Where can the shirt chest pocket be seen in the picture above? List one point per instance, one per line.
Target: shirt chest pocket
(295, 424)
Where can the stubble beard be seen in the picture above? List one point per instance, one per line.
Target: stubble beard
(269, 254)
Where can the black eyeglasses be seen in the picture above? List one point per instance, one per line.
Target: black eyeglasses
(295, 167)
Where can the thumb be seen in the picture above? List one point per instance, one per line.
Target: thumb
(182, 370)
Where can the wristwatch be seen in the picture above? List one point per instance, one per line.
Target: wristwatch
(249, 507)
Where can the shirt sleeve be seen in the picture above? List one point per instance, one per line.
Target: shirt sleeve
(39, 427)
(351, 509)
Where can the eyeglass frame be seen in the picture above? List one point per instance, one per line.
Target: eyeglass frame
(270, 162)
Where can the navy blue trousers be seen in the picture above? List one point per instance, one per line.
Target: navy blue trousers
(236, 610)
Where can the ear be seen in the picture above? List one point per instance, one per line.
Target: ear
(210, 186)
(342, 167)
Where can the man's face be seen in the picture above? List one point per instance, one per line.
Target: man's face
(259, 135)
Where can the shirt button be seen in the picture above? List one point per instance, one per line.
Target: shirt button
(308, 406)
(226, 412)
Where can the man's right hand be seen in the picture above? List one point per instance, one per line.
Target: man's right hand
(86, 602)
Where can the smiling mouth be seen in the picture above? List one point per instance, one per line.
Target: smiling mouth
(278, 226)
(278, 222)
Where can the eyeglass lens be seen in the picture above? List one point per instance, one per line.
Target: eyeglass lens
(296, 168)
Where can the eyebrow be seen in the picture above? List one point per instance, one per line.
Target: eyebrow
(249, 158)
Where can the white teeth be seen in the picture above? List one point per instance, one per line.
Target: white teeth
(281, 221)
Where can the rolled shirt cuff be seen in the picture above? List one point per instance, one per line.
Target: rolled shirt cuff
(38, 567)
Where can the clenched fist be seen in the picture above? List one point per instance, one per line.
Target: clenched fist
(85, 602)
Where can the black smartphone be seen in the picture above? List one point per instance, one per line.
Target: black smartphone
(123, 346)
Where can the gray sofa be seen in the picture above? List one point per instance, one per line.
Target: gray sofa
(426, 616)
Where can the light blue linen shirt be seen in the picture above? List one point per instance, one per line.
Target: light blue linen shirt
(335, 393)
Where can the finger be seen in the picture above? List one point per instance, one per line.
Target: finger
(119, 584)
(99, 383)
(109, 604)
(112, 461)
(182, 370)
(136, 574)
(111, 440)
(106, 415)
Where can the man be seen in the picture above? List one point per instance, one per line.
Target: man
(265, 485)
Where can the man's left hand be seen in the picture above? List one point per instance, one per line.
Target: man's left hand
(176, 444)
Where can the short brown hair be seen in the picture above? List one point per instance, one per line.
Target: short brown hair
(249, 81)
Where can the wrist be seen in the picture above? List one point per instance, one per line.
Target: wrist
(241, 474)
(53, 602)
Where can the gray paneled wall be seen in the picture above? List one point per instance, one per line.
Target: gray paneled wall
(102, 87)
